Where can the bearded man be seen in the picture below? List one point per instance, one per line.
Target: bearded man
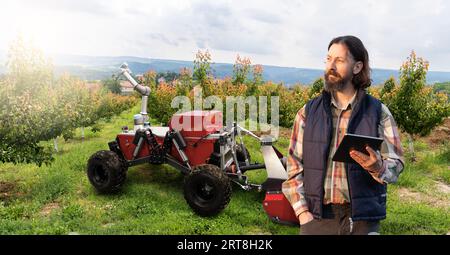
(336, 198)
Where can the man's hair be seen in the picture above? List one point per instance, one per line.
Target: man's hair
(359, 53)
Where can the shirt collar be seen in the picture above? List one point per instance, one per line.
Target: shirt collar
(351, 103)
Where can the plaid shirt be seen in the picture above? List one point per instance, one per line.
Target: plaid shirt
(335, 184)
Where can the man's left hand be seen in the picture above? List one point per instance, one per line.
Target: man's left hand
(372, 162)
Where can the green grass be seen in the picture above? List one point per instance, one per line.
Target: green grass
(58, 199)
(431, 166)
(413, 218)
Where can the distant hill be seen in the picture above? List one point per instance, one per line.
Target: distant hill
(101, 67)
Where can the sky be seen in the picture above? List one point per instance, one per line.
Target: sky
(291, 33)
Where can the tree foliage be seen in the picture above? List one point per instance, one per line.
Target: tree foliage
(414, 105)
(113, 85)
(316, 88)
(241, 69)
(202, 67)
(416, 108)
(35, 107)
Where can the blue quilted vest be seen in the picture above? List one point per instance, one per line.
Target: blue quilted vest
(367, 196)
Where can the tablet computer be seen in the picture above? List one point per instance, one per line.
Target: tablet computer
(356, 142)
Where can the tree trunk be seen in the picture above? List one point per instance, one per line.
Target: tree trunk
(411, 147)
(82, 134)
(55, 144)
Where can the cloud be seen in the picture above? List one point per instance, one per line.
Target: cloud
(96, 7)
(163, 38)
(286, 33)
(265, 16)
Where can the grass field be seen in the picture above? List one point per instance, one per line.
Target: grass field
(58, 199)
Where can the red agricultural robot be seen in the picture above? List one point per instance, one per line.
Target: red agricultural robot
(210, 156)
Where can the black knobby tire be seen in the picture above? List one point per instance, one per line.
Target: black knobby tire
(240, 153)
(207, 190)
(106, 171)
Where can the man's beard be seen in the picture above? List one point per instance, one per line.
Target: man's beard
(338, 83)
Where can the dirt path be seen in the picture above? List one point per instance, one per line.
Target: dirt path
(6, 190)
(439, 135)
(442, 200)
(49, 208)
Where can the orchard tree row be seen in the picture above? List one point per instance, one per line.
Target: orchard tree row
(35, 107)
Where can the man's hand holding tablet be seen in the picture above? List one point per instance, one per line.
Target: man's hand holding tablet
(372, 162)
(363, 150)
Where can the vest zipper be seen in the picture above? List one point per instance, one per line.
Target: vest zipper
(350, 196)
(349, 128)
(348, 182)
(351, 224)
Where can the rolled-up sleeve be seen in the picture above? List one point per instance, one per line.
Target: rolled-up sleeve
(391, 149)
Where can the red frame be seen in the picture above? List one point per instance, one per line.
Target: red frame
(197, 155)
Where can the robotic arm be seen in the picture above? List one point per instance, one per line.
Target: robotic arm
(125, 71)
(143, 90)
